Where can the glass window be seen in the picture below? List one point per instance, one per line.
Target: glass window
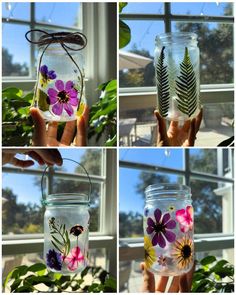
(151, 8)
(203, 160)
(16, 10)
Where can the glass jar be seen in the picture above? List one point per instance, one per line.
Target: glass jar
(168, 229)
(59, 90)
(66, 230)
(177, 76)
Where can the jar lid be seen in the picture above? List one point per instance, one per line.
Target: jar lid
(176, 37)
(66, 199)
(167, 190)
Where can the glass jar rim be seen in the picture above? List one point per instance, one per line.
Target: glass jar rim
(167, 189)
(67, 199)
(169, 37)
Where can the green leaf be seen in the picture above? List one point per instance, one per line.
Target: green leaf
(124, 34)
(24, 289)
(162, 85)
(122, 6)
(8, 278)
(84, 272)
(186, 87)
(19, 271)
(37, 267)
(57, 241)
(12, 92)
(55, 245)
(15, 284)
(57, 276)
(34, 280)
(112, 141)
(42, 99)
(111, 86)
(208, 260)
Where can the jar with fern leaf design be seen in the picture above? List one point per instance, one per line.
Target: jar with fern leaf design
(59, 92)
(177, 76)
(66, 226)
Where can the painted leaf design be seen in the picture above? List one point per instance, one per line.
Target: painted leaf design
(162, 85)
(42, 100)
(186, 87)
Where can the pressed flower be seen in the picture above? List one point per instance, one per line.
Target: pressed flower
(54, 259)
(161, 260)
(160, 228)
(185, 218)
(149, 252)
(63, 97)
(74, 258)
(171, 208)
(183, 252)
(46, 76)
(76, 230)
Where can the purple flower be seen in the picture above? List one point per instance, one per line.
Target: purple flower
(54, 260)
(63, 97)
(46, 75)
(160, 227)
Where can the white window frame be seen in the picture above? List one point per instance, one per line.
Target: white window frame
(105, 238)
(209, 93)
(132, 248)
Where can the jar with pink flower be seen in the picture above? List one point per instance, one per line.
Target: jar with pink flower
(168, 229)
(59, 90)
(66, 228)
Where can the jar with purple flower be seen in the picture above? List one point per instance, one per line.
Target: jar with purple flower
(59, 90)
(66, 230)
(168, 229)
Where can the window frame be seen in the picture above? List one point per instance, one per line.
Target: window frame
(132, 248)
(105, 238)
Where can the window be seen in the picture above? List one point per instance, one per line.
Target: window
(23, 213)
(213, 23)
(209, 173)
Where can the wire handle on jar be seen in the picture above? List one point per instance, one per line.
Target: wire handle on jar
(86, 172)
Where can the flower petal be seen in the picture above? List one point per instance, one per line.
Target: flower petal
(73, 101)
(157, 214)
(165, 218)
(52, 93)
(161, 241)
(72, 92)
(57, 108)
(149, 230)
(69, 85)
(170, 224)
(44, 70)
(155, 240)
(68, 108)
(180, 213)
(52, 75)
(60, 85)
(170, 236)
(150, 222)
(189, 211)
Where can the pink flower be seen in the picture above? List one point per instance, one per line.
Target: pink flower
(74, 258)
(185, 218)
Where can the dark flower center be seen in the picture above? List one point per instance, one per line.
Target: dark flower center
(63, 96)
(159, 228)
(186, 251)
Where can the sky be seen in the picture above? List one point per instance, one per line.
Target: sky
(24, 185)
(143, 32)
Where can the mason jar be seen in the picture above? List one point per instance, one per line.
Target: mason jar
(176, 64)
(66, 229)
(59, 91)
(168, 229)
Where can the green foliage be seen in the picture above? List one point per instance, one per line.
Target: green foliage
(17, 124)
(26, 279)
(102, 116)
(162, 85)
(213, 276)
(186, 87)
(61, 241)
(124, 30)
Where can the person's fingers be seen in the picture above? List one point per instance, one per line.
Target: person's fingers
(21, 163)
(148, 280)
(174, 124)
(52, 130)
(161, 284)
(50, 156)
(36, 157)
(68, 133)
(199, 120)
(39, 135)
(174, 287)
(81, 135)
(186, 126)
(185, 282)
(86, 116)
(192, 133)
(162, 130)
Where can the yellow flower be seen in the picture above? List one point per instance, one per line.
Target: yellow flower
(183, 252)
(81, 109)
(150, 254)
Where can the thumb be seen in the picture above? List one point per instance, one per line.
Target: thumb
(39, 135)
(81, 132)
(148, 279)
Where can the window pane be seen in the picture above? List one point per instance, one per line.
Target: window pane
(151, 8)
(203, 8)
(52, 13)
(143, 34)
(216, 50)
(15, 50)
(14, 10)
(212, 203)
(203, 160)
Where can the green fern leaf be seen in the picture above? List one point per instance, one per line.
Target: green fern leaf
(186, 87)
(162, 85)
